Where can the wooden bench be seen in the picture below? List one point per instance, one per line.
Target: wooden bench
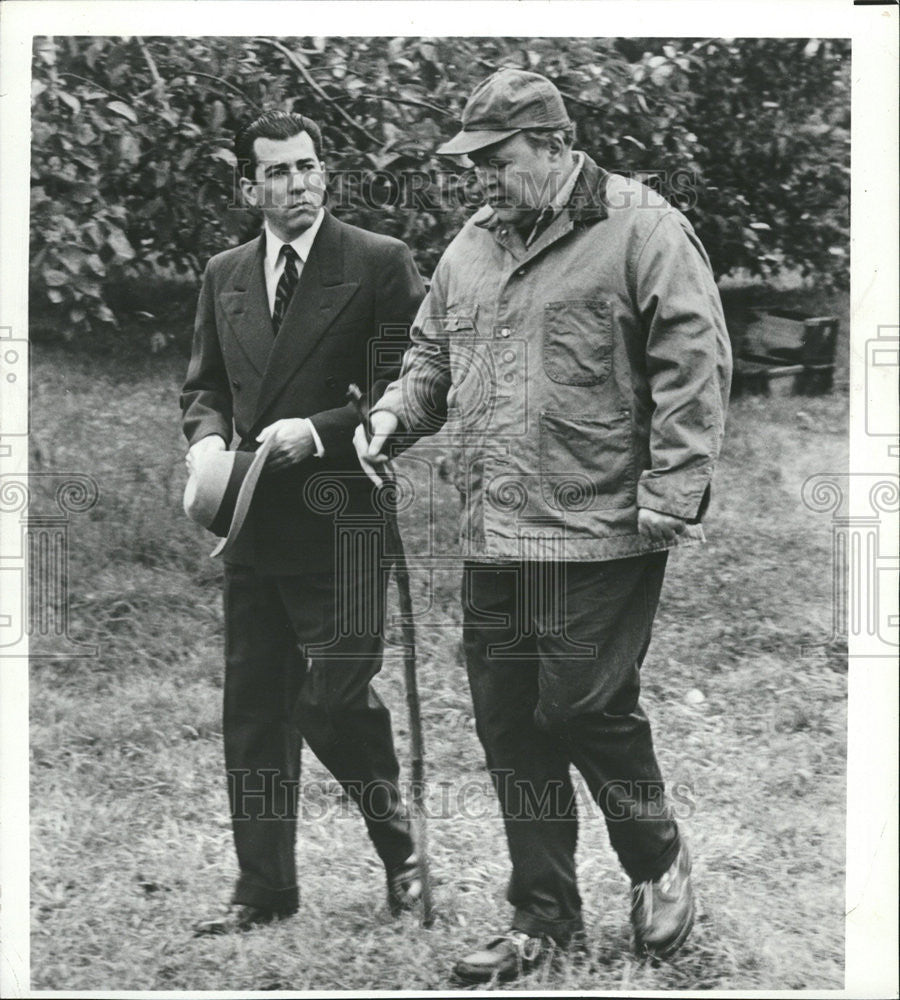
(785, 343)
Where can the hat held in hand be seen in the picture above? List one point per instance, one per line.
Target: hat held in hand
(502, 105)
(219, 490)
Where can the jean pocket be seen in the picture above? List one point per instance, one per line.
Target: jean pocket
(586, 462)
(578, 341)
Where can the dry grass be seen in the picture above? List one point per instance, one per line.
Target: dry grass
(130, 837)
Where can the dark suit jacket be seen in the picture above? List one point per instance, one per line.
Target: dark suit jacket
(348, 321)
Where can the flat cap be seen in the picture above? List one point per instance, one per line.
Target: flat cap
(506, 103)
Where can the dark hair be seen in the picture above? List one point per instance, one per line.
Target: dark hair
(272, 125)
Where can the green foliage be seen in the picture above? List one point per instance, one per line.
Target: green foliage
(773, 120)
(133, 174)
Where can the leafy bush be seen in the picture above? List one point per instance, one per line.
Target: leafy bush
(133, 174)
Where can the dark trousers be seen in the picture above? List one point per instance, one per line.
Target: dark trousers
(300, 653)
(554, 652)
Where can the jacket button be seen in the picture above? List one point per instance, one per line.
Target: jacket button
(521, 271)
(504, 331)
(236, 383)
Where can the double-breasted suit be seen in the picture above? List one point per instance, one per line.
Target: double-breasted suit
(303, 628)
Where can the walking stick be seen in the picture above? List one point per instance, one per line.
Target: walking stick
(408, 633)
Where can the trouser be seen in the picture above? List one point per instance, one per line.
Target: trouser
(554, 652)
(300, 653)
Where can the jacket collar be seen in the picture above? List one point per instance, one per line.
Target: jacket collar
(324, 253)
(320, 295)
(588, 203)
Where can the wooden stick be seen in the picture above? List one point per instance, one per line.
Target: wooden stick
(408, 633)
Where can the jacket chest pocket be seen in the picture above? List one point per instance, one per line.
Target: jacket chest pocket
(471, 364)
(577, 342)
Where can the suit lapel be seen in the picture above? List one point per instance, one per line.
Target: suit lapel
(320, 295)
(247, 306)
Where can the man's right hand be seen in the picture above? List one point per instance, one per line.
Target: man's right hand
(210, 443)
(370, 453)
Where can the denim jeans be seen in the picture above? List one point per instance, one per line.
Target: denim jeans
(553, 652)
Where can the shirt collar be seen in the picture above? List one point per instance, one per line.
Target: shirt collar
(302, 245)
(559, 202)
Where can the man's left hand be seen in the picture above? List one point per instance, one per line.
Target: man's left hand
(292, 442)
(659, 527)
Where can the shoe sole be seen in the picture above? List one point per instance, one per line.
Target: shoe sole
(219, 928)
(670, 947)
(474, 978)
(553, 960)
(213, 930)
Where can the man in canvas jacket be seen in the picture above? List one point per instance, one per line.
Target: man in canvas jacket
(574, 345)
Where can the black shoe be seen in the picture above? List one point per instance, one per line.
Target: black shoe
(662, 912)
(506, 957)
(237, 919)
(404, 886)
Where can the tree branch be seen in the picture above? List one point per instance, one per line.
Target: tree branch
(400, 100)
(304, 72)
(93, 83)
(129, 100)
(225, 83)
(158, 83)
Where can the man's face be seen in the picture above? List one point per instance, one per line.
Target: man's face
(517, 179)
(288, 186)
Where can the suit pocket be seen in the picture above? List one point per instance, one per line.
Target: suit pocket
(586, 462)
(578, 341)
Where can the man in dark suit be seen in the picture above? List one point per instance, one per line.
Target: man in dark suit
(284, 323)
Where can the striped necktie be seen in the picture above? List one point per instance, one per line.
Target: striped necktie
(286, 285)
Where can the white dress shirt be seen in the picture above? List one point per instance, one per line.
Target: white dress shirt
(274, 268)
(274, 264)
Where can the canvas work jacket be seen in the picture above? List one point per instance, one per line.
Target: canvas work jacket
(580, 378)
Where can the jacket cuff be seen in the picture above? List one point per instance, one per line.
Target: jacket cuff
(334, 430)
(392, 400)
(674, 494)
(206, 428)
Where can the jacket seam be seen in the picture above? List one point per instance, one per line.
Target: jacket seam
(634, 263)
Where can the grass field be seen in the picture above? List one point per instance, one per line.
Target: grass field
(130, 836)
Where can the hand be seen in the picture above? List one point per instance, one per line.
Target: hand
(659, 527)
(206, 445)
(362, 451)
(292, 442)
(383, 423)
